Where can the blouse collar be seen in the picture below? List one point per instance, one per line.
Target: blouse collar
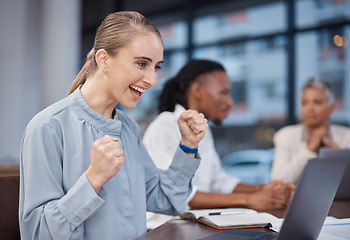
(111, 126)
(305, 136)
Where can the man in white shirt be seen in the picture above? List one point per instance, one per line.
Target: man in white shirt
(204, 86)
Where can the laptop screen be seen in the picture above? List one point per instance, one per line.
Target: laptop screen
(312, 199)
(344, 186)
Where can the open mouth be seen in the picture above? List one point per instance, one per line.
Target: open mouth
(137, 91)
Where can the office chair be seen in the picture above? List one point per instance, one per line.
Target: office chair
(252, 166)
(9, 195)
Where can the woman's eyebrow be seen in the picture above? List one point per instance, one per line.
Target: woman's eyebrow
(148, 59)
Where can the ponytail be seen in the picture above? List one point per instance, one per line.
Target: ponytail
(85, 71)
(170, 96)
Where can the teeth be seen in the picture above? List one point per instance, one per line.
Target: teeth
(142, 90)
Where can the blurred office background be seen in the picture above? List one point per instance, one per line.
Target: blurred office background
(269, 48)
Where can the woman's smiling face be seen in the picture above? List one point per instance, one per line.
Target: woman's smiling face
(134, 69)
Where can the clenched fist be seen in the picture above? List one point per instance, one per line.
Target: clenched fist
(106, 158)
(193, 126)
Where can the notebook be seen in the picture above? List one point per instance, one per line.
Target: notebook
(344, 186)
(228, 218)
(309, 207)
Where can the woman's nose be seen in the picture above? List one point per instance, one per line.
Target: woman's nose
(151, 78)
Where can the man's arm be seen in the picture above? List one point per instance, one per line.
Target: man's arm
(273, 195)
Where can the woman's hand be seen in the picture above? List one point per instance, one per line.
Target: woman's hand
(193, 126)
(106, 158)
(327, 141)
(315, 140)
(320, 137)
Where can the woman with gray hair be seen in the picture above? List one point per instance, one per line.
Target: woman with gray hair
(296, 144)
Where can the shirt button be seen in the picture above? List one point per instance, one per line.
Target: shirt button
(87, 211)
(77, 219)
(97, 202)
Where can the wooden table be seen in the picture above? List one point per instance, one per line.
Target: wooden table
(179, 229)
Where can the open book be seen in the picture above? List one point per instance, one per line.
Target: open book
(227, 218)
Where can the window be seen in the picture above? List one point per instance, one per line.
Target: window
(323, 53)
(253, 21)
(252, 46)
(253, 40)
(311, 13)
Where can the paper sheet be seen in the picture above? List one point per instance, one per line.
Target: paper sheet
(333, 228)
(335, 232)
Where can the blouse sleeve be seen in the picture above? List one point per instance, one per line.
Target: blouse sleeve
(167, 188)
(46, 211)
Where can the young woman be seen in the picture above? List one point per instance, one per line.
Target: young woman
(295, 145)
(84, 171)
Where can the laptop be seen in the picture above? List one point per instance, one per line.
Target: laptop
(344, 186)
(308, 208)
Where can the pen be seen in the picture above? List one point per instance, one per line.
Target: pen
(223, 213)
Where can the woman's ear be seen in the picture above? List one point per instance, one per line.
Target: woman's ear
(195, 90)
(101, 58)
(331, 110)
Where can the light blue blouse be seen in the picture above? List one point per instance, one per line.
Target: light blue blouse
(56, 199)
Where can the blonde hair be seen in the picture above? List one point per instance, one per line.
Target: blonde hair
(115, 32)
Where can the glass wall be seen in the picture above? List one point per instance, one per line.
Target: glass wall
(312, 13)
(252, 21)
(322, 50)
(253, 43)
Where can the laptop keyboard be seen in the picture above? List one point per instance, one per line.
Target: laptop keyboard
(265, 236)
